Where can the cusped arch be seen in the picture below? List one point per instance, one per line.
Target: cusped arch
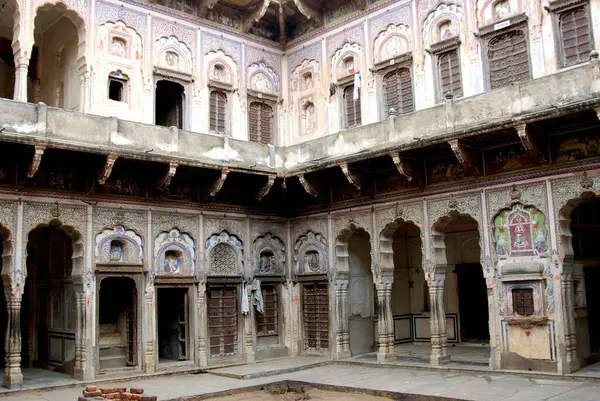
(310, 254)
(348, 50)
(77, 20)
(120, 30)
(392, 42)
(269, 255)
(342, 263)
(225, 253)
(118, 245)
(386, 240)
(216, 61)
(451, 13)
(174, 253)
(489, 10)
(262, 78)
(171, 54)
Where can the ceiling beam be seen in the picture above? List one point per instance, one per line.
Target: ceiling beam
(281, 25)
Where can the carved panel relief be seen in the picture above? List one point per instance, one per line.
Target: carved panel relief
(269, 255)
(310, 253)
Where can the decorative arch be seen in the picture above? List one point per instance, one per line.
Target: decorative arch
(444, 13)
(386, 251)
(12, 7)
(118, 245)
(307, 66)
(342, 265)
(308, 115)
(225, 254)
(489, 12)
(174, 253)
(76, 19)
(269, 255)
(353, 50)
(263, 78)
(108, 32)
(310, 254)
(170, 53)
(394, 41)
(218, 59)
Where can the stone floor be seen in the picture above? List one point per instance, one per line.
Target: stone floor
(488, 386)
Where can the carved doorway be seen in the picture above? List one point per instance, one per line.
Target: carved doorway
(223, 320)
(315, 316)
(472, 303)
(172, 309)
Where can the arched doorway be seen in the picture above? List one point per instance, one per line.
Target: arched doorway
(9, 16)
(117, 323)
(49, 311)
(585, 228)
(57, 57)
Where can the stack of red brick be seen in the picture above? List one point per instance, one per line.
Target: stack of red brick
(91, 393)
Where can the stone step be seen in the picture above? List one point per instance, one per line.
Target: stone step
(113, 361)
(111, 339)
(112, 351)
(108, 328)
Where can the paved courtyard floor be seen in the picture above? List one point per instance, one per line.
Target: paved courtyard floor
(487, 386)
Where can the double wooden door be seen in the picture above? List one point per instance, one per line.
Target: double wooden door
(223, 319)
(315, 313)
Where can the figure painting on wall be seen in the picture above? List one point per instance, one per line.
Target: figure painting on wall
(266, 261)
(171, 59)
(261, 83)
(171, 263)
(446, 30)
(349, 63)
(218, 73)
(313, 261)
(520, 231)
(116, 251)
(502, 9)
(117, 47)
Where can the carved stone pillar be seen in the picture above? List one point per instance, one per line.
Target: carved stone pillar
(385, 322)
(570, 329)
(439, 340)
(13, 378)
(80, 332)
(202, 325)
(342, 337)
(21, 72)
(391, 351)
(84, 79)
(248, 327)
(148, 348)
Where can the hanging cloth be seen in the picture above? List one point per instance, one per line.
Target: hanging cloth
(356, 92)
(245, 308)
(257, 299)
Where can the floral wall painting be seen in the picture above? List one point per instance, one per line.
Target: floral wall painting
(118, 245)
(520, 231)
(175, 253)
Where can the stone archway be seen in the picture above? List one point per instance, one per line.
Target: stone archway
(354, 292)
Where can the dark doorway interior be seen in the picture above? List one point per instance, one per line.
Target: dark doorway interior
(169, 104)
(592, 278)
(472, 303)
(173, 323)
(3, 312)
(117, 323)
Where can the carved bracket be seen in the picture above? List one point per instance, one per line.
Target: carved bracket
(309, 11)
(463, 156)
(166, 180)
(266, 188)
(308, 187)
(402, 166)
(111, 158)
(528, 141)
(255, 15)
(37, 160)
(205, 4)
(352, 177)
(218, 185)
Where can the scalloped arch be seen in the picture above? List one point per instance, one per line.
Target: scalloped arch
(444, 12)
(395, 40)
(165, 48)
(348, 49)
(268, 84)
(220, 58)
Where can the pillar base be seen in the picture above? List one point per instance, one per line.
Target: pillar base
(439, 360)
(386, 357)
(12, 380)
(342, 355)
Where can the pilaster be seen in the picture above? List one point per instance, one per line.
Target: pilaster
(439, 340)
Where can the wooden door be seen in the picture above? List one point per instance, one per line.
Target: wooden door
(182, 321)
(131, 317)
(315, 313)
(223, 320)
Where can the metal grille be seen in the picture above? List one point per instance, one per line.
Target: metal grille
(397, 89)
(315, 312)
(352, 108)
(575, 35)
(508, 59)
(218, 105)
(222, 320)
(523, 301)
(449, 70)
(261, 123)
(267, 323)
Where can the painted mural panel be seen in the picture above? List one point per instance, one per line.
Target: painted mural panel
(520, 231)
(509, 158)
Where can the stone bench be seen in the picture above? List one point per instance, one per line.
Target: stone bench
(91, 393)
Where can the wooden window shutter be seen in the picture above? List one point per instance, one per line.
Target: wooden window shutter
(508, 59)
(352, 108)
(575, 35)
(261, 123)
(449, 73)
(218, 106)
(267, 323)
(398, 93)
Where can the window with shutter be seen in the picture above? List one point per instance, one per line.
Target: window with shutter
(397, 90)
(218, 106)
(352, 108)
(449, 73)
(575, 35)
(508, 59)
(523, 301)
(261, 123)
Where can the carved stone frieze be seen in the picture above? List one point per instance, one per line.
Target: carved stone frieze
(532, 194)
(410, 212)
(166, 221)
(8, 214)
(109, 217)
(259, 227)
(232, 226)
(360, 219)
(301, 226)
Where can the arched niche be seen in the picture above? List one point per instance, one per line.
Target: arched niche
(174, 253)
(394, 41)
(225, 253)
(310, 254)
(269, 255)
(308, 115)
(262, 78)
(491, 11)
(169, 53)
(221, 68)
(118, 246)
(386, 242)
(346, 61)
(445, 22)
(305, 76)
(116, 39)
(520, 231)
(342, 253)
